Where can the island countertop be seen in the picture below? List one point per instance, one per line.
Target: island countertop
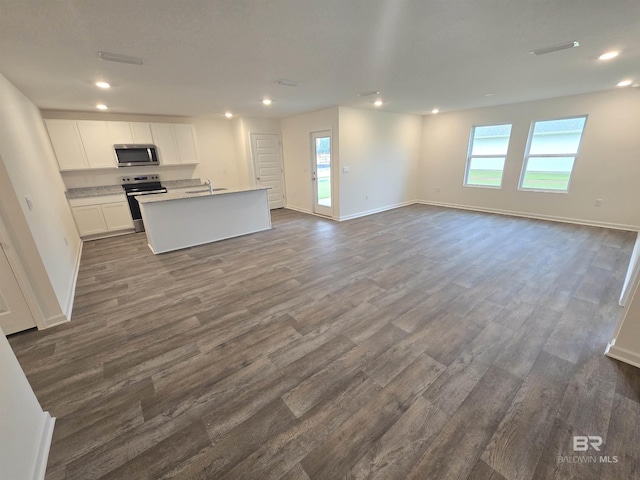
(177, 220)
(198, 191)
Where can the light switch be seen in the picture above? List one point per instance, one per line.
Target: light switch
(345, 169)
(29, 204)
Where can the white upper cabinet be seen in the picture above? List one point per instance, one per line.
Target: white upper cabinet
(186, 141)
(141, 133)
(65, 138)
(165, 140)
(97, 145)
(85, 144)
(119, 133)
(128, 133)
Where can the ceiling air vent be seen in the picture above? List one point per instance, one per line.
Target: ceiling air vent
(369, 93)
(287, 83)
(116, 57)
(554, 48)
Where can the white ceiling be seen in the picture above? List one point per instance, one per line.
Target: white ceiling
(203, 57)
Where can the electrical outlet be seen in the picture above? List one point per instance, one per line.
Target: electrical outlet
(66, 242)
(437, 189)
(366, 197)
(598, 202)
(29, 203)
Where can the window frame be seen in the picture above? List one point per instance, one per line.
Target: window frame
(527, 155)
(470, 156)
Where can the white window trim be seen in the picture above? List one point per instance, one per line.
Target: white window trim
(470, 157)
(527, 156)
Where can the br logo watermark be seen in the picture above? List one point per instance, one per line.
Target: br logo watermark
(586, 443)
(582, 443)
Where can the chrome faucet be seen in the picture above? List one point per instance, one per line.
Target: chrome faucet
(208, 182)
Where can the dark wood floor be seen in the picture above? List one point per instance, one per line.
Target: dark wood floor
(420, 343)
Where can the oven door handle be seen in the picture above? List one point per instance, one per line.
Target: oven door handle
(135, 194)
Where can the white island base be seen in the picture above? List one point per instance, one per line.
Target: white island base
(180, 220)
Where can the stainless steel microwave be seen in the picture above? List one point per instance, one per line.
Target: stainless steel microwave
(136, 155)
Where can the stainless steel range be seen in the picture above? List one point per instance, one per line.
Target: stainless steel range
(135, 186)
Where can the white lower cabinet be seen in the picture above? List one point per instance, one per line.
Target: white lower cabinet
(117, 216)
(95, 216)
(89, 220)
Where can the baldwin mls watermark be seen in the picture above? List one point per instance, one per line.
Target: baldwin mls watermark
(590, 444)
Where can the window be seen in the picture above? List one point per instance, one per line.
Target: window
(487, 152)
(551, 153)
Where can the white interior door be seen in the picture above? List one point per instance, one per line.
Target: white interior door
(267, 165)
(321, 164)
(15, 315)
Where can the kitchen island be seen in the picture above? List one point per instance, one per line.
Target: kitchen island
(184, 219)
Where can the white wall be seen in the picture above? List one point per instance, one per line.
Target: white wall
(296, 144)
(32, 168)
(25, 428)
(216, 148)
(381, 150)
(607, 168)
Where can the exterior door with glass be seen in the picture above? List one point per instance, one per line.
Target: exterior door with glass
(321, 173)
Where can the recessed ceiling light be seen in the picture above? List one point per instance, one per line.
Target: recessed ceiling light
(609, 55)
(554, 48)
(435, 110)
(266, 101)
(103, 85)
(101, 106)
(228, 114)
(624, 83)
(378, 103)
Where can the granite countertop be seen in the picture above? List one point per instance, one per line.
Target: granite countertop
(189, 182)
(200, 191)
(94, 191)
(85, 192)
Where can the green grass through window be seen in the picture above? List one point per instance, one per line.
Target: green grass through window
(324, 188)
(532, 180)
(485, 178)
(546, 180)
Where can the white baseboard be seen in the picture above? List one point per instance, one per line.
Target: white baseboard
(57, 320)
(622, 354)
(511, 213)
(43, 446)
(308, 212)
(72, 294)
(376, 210)
(297, 209)
(552, 218)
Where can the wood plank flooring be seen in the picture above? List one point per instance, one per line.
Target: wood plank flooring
(418, 343)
